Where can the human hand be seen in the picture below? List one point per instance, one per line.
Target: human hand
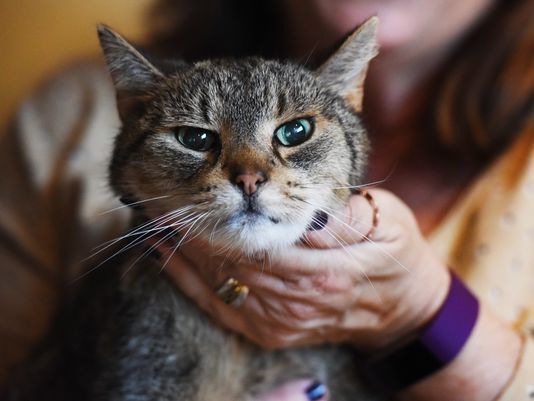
(336, 288)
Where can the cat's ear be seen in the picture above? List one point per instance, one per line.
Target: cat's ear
(344, 72)
(131, 72)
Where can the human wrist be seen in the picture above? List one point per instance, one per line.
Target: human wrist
(423, 295)
(429, 290)
(431, 348)
(480, 371)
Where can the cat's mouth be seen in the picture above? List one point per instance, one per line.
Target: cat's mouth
(252, 211)
(251, 205)
(252, 215)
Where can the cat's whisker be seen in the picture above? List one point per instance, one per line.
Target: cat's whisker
(151, 249)
(343, 244)
(266, 257)
(306, 241)
(175, 225)
(142, 239)
(224, 250)
(177, 246)
(131, 232)
(199, 232)
(336, 211)
(213, 231)
(171, 234)
(158, 220)
(190, 224)
(363, 185)
(262, 264)
(343, 185)
(228, 255)
(159, 227)
(220, 268)
(373, 243)
(122, 250)
(310, 54)
(372, 183)
(365, 237)
(137, 231)
(134, 204)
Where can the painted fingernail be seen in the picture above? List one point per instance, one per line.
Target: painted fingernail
(316, 391)
(320, 219)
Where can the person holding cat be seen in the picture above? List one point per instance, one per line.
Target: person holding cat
(449, 103)
(340, 287)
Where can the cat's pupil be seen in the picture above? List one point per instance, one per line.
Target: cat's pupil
(294, 132)
(196, 138)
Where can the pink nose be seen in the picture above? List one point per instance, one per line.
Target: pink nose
(249, 182)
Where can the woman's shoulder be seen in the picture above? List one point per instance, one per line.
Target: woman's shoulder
(81, 88)
(71, 118)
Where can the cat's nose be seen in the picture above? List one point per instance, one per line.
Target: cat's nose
(249, 181)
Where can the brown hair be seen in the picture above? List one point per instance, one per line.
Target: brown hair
(484, 98)
(216, 28)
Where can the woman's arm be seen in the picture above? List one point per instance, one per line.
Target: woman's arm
(481, 371)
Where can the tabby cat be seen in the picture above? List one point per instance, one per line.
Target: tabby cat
(238, 153)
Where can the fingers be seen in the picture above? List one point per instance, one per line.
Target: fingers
(344, 227)
(294, 273)
(297, 275)
(361, 217)
(268, 319)
(300, 295)
(317, 271)
(249, 319)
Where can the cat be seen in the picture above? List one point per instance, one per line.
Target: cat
(243, 154)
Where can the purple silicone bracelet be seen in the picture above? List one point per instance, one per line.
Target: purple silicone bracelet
(440, 341)
(449, 330)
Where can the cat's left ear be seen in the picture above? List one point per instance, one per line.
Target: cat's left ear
(131, 72)
(344, 72)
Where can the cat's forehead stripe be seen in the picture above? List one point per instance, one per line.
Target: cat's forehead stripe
(243, 94)
(281, 104)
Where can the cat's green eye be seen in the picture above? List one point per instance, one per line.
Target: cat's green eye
(294, 132)
(196, 138)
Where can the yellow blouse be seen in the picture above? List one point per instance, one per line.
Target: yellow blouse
(488, 239)
(63, 135)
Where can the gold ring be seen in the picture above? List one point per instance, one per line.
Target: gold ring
(232, 292)
(376, 213)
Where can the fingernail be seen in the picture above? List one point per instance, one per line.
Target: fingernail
(316, 391)
(320, 219)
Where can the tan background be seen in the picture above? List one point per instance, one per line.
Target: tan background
(40, 36)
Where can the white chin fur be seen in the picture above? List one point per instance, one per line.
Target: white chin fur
(260, 235)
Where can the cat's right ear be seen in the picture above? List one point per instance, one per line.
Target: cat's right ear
(131, 72)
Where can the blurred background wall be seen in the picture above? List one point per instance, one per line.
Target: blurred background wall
(38, 37)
